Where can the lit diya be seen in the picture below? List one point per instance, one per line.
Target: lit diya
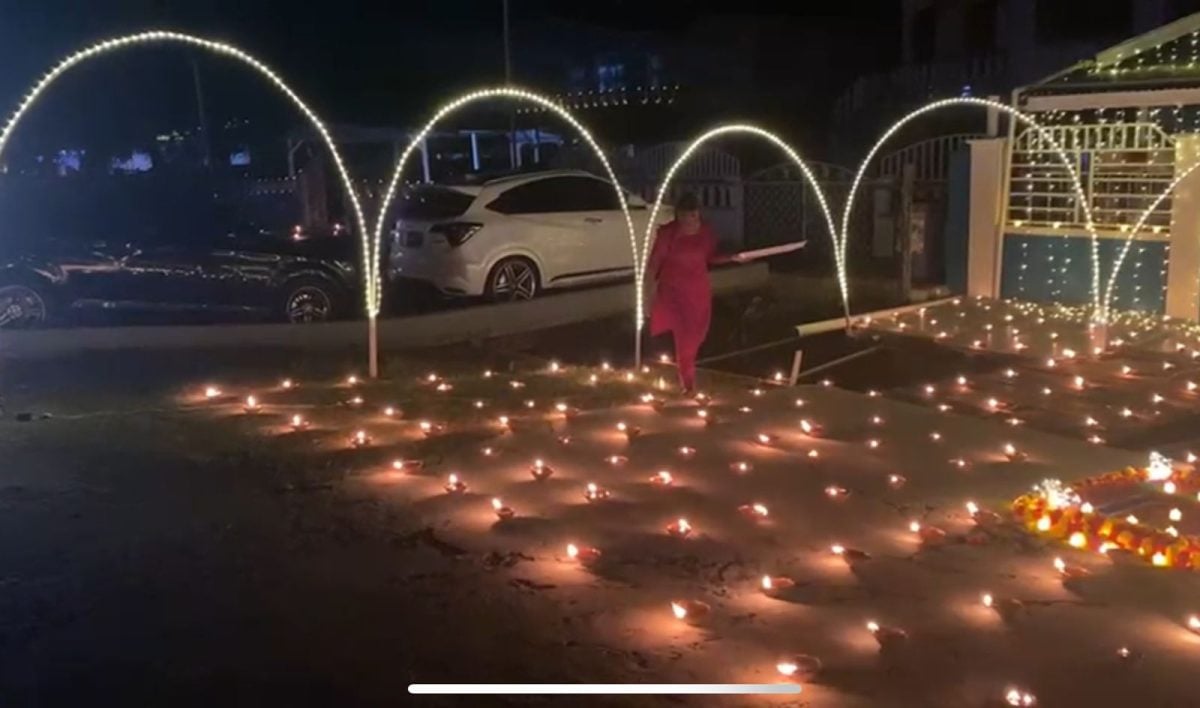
(886, 636)
(409, 466)
(800, 667)
(686, 452)
(895, 481)
(928, 534)
(629, 431)
(299, 423)
(850, 555)
(1070, 572)
(595, 493)
(503, 512)
(766, 439)
(540, 470)
(662, 478)
(583, 554)
(454, 485)
(754, 511)
(252, 405)
(360, 439)
(680, 528)
(1013, 454)
(778, 583)
(810, 428)
(689, 609)
(740, 467)
(1004, 606)
(983, 517)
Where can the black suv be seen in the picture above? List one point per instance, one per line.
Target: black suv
(140, 250)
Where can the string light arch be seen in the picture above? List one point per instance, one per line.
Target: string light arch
(1015, 114)
(220, 49)
(719, 131)
(1106, 302)
(510, 92)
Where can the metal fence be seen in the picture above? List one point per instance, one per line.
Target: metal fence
(1123, 167)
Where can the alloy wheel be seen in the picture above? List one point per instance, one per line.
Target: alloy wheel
(308, 304)
(21, 307)
(514, 280)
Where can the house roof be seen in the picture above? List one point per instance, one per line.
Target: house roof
(1166, 57)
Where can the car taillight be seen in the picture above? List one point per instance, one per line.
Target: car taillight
(456, 232)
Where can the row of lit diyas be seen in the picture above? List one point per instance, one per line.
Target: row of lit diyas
(1076, 383)
(794, 668)
(1132, 323)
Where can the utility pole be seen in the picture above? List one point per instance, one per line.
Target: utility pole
(202, 120)
(512, 114)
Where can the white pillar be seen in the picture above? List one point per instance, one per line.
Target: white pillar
(985, 218)
(425, 160)
(474, 151)
(1183, 258)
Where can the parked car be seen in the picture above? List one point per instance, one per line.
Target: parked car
(513, 237)
(199, 264)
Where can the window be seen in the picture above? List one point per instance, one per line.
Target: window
(557, 194)
(431, 202)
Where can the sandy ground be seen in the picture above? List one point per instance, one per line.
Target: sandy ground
(163, 549)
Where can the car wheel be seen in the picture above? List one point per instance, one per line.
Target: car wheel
(513, 279)
(22, 307)
(308, 300)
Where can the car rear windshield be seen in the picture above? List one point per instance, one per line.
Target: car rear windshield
(433, 203)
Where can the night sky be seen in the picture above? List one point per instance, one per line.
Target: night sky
(390, 63)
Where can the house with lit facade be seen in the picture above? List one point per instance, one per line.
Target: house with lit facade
(1127, 122)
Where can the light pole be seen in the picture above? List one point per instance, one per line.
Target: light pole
(512, 115)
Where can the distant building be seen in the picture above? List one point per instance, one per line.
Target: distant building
(987, 47)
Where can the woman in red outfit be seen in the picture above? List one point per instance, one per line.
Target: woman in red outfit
(683, 250)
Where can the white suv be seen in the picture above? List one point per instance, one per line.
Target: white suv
(511, 238)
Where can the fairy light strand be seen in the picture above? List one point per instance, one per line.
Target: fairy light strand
(982, 103)
(696, 144)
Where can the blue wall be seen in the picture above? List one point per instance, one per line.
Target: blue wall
(1059, 269)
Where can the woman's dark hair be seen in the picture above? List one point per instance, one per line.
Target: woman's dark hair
(688, 201)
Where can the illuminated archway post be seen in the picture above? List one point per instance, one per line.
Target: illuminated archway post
(1137, 228)
(220, 49)
(648, 238)
(1015, 114)
(510, 92)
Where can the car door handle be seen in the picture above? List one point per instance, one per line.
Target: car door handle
(593, 219)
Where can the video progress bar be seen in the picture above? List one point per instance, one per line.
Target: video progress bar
(602, 689)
